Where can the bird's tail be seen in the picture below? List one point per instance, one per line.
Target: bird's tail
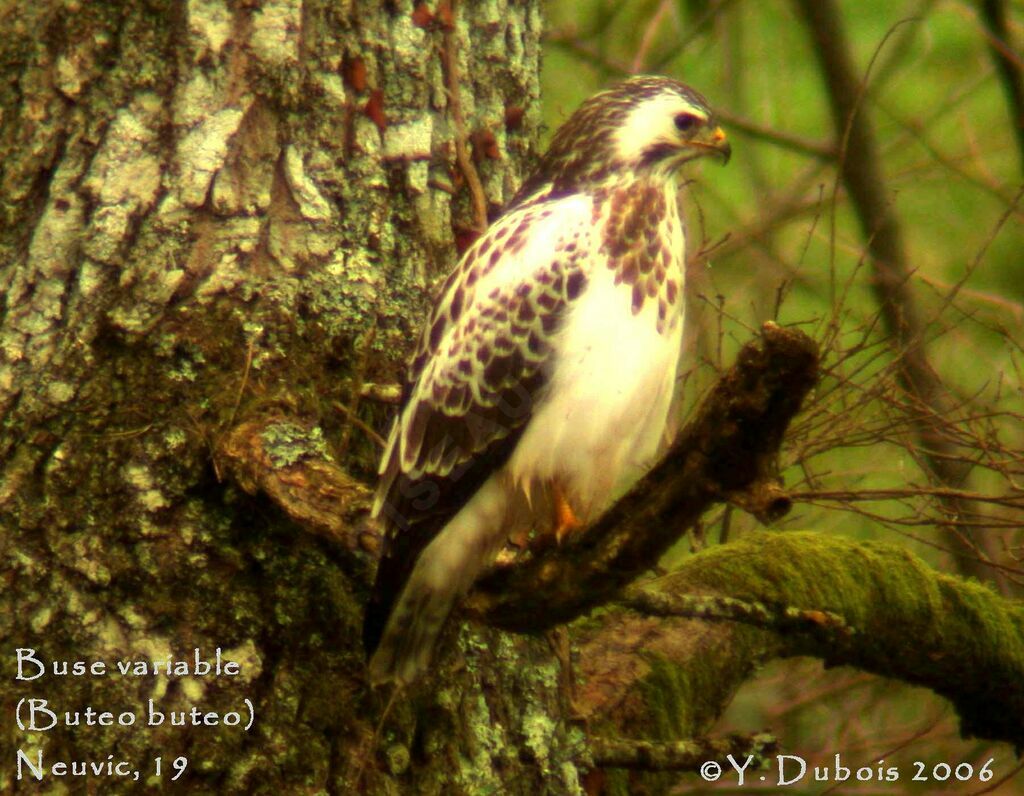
(444, 571)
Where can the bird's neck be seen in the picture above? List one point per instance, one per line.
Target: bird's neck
(642, 235)
(643, 210)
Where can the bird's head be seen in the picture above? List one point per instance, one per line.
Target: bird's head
(661, 125)
(645, 124)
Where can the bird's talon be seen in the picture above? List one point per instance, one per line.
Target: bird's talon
(565, 518)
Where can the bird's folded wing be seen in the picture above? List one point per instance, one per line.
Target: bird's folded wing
(483, 360)
(482, 364)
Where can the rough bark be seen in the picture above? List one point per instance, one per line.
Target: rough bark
(217, 218)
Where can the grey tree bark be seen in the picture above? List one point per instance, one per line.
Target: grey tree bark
(220, 216)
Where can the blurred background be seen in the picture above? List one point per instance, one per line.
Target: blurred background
(873, 200)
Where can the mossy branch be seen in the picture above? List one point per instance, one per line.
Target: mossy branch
(899, 619)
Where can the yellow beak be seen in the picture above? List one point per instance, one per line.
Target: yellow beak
(714, 141)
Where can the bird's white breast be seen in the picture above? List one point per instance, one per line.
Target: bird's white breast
(601, 422)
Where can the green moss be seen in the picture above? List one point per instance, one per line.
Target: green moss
(884, 594)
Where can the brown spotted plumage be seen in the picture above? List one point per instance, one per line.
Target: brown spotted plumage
(541, 383)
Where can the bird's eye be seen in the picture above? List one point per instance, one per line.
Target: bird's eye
(686, 122)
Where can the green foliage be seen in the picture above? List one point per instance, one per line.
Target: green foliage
(785, 245)
(952, 171)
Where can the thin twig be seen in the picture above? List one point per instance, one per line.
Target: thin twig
(352, 410)
(861, 174)
(355, 421)
(998, 783)
(780, 138)
(242, 383)
(1013, 501)
(469, 172)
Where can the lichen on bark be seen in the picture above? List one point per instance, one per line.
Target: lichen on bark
(216, 214)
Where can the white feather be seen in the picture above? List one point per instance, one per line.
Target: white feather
(566, 217)
(444, 572)
(652, 122)
(603, 418)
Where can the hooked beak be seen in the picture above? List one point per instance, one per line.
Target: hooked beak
(713, 142)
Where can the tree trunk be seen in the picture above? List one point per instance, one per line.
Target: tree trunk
(222, 217)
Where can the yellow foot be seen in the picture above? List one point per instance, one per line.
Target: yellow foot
(565, 518)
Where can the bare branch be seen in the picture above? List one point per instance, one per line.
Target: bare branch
(824, 625)
(1008, 65)
(782, 139)
(861, 173)
(450, 59)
